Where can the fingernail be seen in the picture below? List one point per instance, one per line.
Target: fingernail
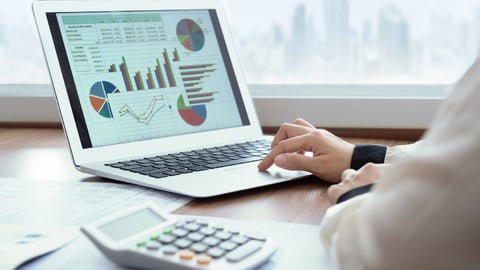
(280, 161)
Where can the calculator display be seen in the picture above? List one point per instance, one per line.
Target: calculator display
(126, 226)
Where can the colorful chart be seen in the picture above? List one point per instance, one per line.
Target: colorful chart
(192, 115)
(190, 35)
(99, 98)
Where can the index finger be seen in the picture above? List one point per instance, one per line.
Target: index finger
(290, 145)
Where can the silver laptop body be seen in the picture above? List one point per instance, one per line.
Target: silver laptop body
(148, 79)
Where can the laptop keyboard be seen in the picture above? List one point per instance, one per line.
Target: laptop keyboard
(196, 160)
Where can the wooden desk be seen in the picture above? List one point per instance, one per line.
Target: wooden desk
(42, 153)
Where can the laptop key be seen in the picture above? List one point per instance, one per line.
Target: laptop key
(183, 170)
(232, 162)
(198, 168)
(142, 169)
(158, 175)
(128, 168)
(172, 173)
(153, 171)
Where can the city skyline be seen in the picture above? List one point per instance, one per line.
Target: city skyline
(383, 48)
(328, 41)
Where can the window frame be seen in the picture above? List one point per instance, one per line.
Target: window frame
(342, 106)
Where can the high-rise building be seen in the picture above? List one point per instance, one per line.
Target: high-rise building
(394, 41)
(298, 44)
(337, 30)
(3, 38)
(476, 25)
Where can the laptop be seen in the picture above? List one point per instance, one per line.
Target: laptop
(150, 92)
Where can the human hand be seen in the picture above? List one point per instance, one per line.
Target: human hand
(331, 155)
(351, 179)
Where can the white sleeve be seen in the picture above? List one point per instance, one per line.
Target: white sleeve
(423, 213)
(398, 153)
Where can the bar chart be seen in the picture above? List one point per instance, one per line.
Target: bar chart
(193, 78)
(161, 75)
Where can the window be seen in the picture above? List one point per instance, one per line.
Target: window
(20, 49)
(356, 41)
(338, 56)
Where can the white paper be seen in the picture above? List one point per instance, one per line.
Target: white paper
(299, 248)
(18, 243)
(73, 203)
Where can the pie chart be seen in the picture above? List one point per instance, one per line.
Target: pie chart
(192, 115)
(190, 35)
(99, 98)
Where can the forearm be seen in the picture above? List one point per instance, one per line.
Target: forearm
(398, 153)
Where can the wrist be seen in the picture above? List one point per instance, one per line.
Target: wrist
(366, 153)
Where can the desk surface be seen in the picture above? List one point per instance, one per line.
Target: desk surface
(28, 153)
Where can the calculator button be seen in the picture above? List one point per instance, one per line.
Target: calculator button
(244, 251)
(192, 227)
(168, 230)
(239, 239)
(190, 220)
(233, 231)
(228, 245)
(166, 238)
(211, 241)
(169, 250)
(153, 245)
(199, 247)
(141, 244)
(215, 252)
(217, 226)
(186, 254)
(204, 259)
(222, 235)
(182, 243)
(155, 237)
(207, 231)
(195, 237)
(179, 232)
(202, 222)
(256, 237)
(180, 224)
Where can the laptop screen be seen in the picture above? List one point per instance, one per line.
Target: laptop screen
(140, 75)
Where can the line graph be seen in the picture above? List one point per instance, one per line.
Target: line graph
(153, 108)
(141, 115)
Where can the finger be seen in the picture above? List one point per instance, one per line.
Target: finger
(302, 122)
(335, 191)
(294, 161)
(288, 130)
(348, 173)
(290, 145)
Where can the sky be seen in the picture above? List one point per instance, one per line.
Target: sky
(281, 11)
(19, 42)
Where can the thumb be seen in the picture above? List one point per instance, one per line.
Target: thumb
(293, 161)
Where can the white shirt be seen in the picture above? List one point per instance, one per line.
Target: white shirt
(424, 213)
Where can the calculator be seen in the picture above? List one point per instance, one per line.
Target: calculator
(147, 238)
